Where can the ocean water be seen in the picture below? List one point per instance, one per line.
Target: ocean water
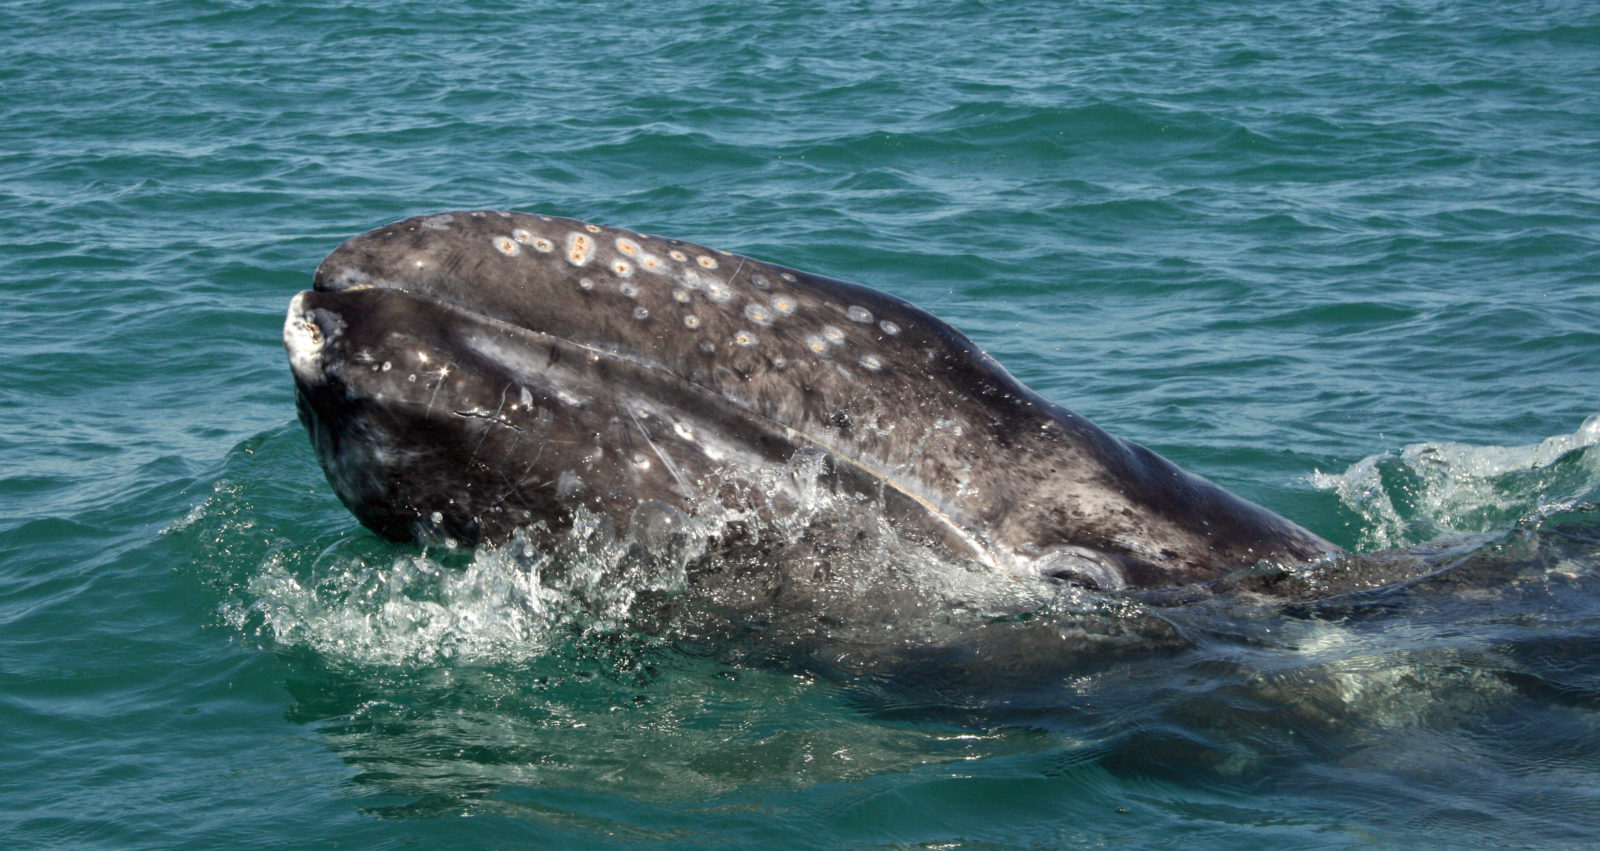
(1342, 258)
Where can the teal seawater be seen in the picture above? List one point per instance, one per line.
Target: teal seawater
(1343, 258)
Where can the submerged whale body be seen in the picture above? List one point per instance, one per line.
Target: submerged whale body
(469, 374)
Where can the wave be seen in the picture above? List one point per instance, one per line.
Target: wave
(1433, 490)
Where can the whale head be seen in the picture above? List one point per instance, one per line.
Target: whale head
(468, 374)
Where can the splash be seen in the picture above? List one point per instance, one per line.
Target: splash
(1432, 490)
(413, 609)
(786, 554)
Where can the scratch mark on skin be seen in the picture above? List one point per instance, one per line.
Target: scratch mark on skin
(444, 372)
(519, 481)
(513, 482)
(529, 468)
(666, 462)
(479, 415)
(493, 418)
(735, 276)
(453, 263)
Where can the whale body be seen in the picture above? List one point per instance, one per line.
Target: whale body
(468, 374)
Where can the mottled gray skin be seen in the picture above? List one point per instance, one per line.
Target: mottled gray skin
(471, 373)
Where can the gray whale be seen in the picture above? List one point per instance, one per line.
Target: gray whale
(468, 374)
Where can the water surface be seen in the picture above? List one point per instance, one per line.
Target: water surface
(1340, 258)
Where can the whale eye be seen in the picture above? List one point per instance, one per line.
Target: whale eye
(1082, 566)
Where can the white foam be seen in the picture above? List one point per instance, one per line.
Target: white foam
(362, 604)
(411, 610)
(1428, 490)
